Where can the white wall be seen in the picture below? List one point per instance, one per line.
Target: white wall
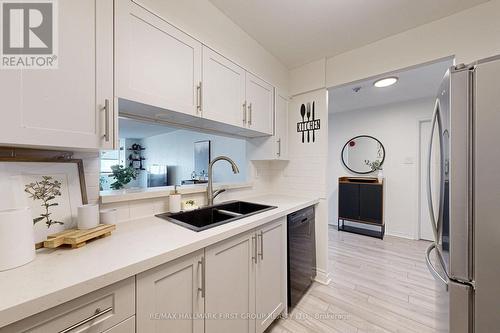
(396, 126)
(305, 172)
(468, 35)
(203, 21)
(177, 149)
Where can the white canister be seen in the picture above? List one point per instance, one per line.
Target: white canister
(17, 238)
(108, 216)
(88, 216)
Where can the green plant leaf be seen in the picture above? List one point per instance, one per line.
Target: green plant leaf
(38, 219)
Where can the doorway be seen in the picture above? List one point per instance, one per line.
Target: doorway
(424, 221)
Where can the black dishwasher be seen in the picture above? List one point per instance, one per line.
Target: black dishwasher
(301, 254)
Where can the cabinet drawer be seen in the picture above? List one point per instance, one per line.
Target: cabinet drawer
(127, 326)
(95, 312)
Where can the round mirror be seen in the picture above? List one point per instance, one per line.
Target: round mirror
(363, 154)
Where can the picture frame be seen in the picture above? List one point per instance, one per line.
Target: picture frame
(51, 184)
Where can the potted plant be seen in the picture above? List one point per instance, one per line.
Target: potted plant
(122, 176)
(376, 166)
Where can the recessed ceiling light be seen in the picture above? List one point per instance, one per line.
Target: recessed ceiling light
(385, 82)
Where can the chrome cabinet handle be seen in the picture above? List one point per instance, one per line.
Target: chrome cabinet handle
(431, 268)
(98, 313)
(250, 114)
(254, 248)
(279, 147)
(202, 288)
(198, 98)
(106, 120)
(436, 224)
(245, 112)
(261, 235)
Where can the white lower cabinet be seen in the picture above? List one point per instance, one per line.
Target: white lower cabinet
(100, 311)
(246, 280)
(170, 297)
(230, 283)
(270, 274)
(237, 285)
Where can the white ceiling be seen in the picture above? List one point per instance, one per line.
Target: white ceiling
(419, 82)
(299, 31)
(132, 129)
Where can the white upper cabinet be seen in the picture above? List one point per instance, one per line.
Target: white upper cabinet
(281, 127)
(155, 63)
(259, 99)
(65, 106)
(223, 97)
(276, 146)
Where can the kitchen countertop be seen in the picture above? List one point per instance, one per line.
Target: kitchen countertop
(59, 275)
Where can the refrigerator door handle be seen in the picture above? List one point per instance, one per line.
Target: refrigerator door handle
(431, 267)
(436, 223)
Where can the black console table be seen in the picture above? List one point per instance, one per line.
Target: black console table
(361, 200)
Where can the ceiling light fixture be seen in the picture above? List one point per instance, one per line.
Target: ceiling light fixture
(385, 82)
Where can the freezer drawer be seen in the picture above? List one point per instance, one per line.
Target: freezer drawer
(460, 298)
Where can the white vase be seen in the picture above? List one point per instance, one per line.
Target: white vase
(17, 238)
(380, 176)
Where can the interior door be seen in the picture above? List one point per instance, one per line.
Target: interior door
(230, 285)
(270, 274)
(64, 107)
(260, 110)
(156, 64)
(223, 89)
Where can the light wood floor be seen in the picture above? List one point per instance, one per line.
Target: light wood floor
(377, 286)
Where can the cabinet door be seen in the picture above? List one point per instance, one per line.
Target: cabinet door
(281, 127)
(260, 111)
(349, 201)
(230, 285)
(223, 96)
(270, 286)
(168, 291)
(370, 203)
(64, 107)
(156, 64)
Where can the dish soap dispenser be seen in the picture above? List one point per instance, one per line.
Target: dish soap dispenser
(174, 201)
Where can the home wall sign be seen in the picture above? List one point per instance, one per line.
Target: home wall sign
(309, 124)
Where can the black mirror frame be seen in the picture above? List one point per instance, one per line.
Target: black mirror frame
(356, 137)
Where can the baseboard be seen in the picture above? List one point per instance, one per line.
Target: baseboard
(400, 235)
(323, 277)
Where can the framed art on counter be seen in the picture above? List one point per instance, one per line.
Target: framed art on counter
(53, 188)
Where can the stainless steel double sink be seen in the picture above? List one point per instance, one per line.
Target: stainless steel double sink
(213, 216)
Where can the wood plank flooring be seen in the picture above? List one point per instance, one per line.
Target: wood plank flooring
(377, 287)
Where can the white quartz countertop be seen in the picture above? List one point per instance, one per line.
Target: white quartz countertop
(59, 275)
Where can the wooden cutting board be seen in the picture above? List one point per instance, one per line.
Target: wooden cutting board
(78, 238)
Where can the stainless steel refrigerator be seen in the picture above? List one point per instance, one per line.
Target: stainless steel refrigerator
(465, 257)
